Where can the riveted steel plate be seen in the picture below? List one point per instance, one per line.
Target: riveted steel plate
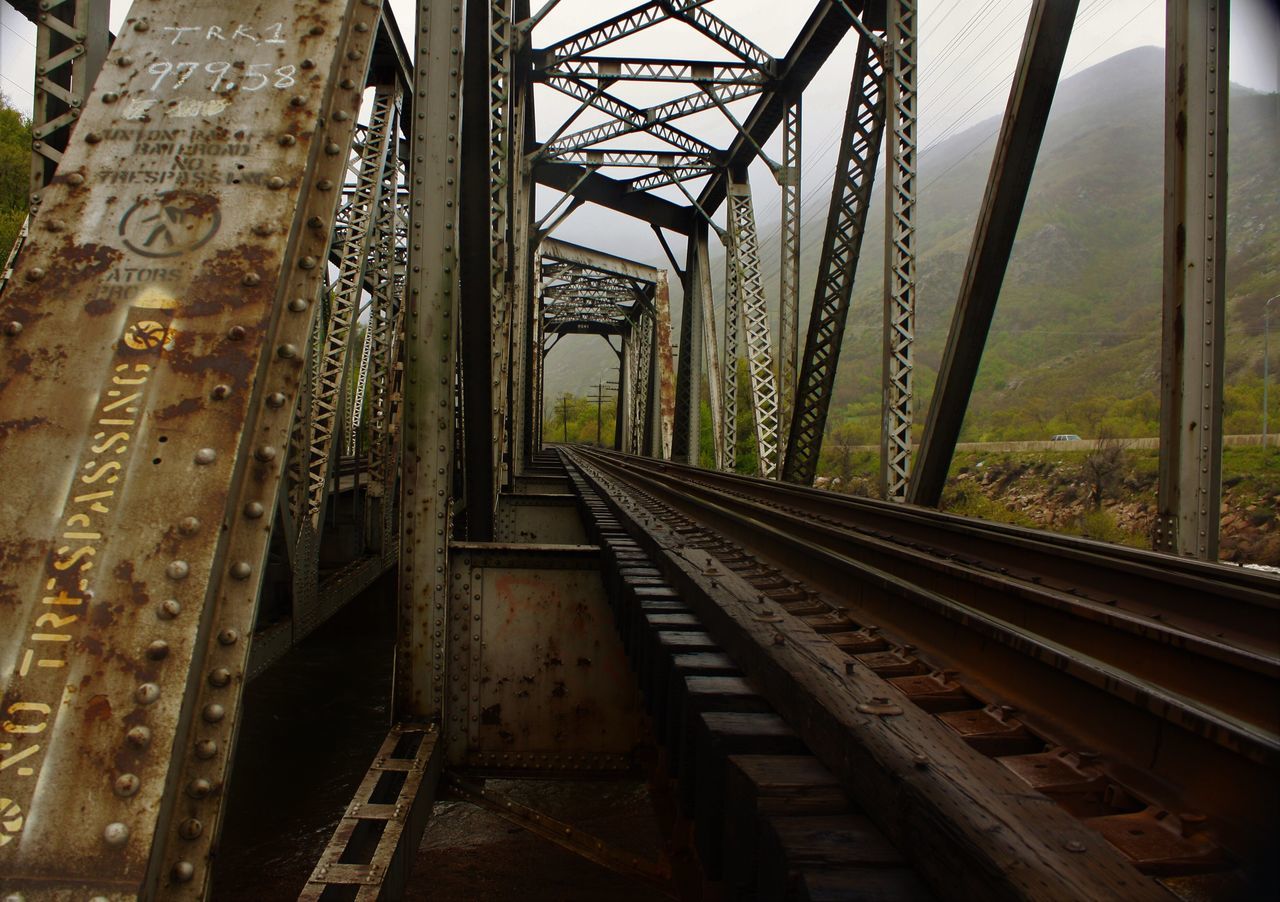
(148, 366)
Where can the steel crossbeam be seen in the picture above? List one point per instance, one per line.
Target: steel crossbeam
(620, 69)
(841, 245)
(900, 252)
(635, 159)
(754, 320)
(725, 35)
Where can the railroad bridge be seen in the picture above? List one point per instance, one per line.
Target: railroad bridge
(273, 348)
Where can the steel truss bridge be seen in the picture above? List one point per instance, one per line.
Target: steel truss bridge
(276, 328)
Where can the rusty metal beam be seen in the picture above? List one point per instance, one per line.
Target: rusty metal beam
(132, 579)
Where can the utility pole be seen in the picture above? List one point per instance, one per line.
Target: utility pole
(598, 397)
(564, 410)
(1266, 364)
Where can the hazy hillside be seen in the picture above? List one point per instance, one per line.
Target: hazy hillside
(1074, 346)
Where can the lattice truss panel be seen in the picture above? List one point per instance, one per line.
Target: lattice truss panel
(841, 245)
(900, 250)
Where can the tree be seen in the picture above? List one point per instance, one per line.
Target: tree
(15, 172)
(1103, 467)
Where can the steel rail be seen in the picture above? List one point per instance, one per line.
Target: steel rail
(1043, 655)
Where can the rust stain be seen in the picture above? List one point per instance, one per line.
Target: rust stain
(98, 708)
(10, 426)
(183, 408)
(98, 307)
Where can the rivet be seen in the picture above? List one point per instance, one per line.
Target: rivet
(317, 29)
(219, 677)
(275, 183)
(169, 608)
(308, 262)
(206, 749)
(315, 222)
(297, 100)
(146, 693)
(251, 278)
(347, 84)
(353, 54)
(13, 328)
(297, 305)
(35, 274)
(287, 351)
(142, 25)
(177, 570)
(139, 736)
(110, 97)
(214, 713)
(241, 570)
(220, 392)
(92, 138)
(341, 115)
(308, 64)
(75, 178)
(276, 399)
(253, 510)
(1075, 846)
(324, 184)
(183, 872)
(332, 149)
(206, 456)
(199, 788)
(126, 785)
(190, 828)
(53, 225)
(362, 27)
(228, 636)
(124, 61)
(189, 526)
(265, 453)
(158, 650)
(116, 834)
(287, 140)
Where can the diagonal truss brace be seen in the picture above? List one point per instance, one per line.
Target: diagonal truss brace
(841, 245)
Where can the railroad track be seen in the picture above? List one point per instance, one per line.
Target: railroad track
(1135, 690)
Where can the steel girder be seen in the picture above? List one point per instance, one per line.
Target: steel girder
(1193, 346)
(686, 442)
(1034, 83)
(431, 409)
(620, 26)
(900, 252)
(841, 245)
(171, 427)
(729, 372)
(744, 252)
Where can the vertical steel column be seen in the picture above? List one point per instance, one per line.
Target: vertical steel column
(539, 354)
(1030, 97)
(789, 268)
(732, 322)
(841, 245)
(664, 367)
(71, 43)
(686, 439)
(626, 382)
(431, 301)
(699, 241)
(1195, 253)
(764, 389)
(503, 138)
(899, 251)
(641, 358)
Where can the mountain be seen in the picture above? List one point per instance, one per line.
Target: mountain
(1074, 346)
